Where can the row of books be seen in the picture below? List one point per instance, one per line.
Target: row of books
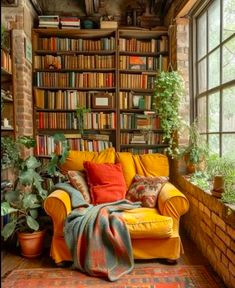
(59, 120)
(45, 145)
(54, 21)
(138, 151)
(99, 120)
(62, 120)
(6, 61)
(74, 61)
(67, 99)
(141, 62)
(137, 81)
(130, 100)
(139, 121)
(74, 79)
(77, 44)
(144, 45)
(147, 137)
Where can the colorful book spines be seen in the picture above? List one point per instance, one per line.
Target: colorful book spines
(73, 79)
(45, 145)
(70, 44)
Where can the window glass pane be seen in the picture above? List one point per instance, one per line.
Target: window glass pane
(228, 18)
(228, 144)
(201, 36)
(213, 142)
(229, 60)
(214, 69)
(229, 109)
(214, 25)
(213, 112)
(202, 114)
(202, 78)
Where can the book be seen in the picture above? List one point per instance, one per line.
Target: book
(137, 62)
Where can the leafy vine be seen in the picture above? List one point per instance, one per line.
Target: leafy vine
(168, 91)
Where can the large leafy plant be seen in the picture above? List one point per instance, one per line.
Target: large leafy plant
(59, 156)
(168, 92)
(22, 203)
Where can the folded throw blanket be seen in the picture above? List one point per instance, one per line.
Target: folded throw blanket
(98, 237)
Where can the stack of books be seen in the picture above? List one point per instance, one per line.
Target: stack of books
(49, 21)
(70, 22)
(138, 139)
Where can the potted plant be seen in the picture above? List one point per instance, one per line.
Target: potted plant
(221, 171)
(23, 202)
(196, 151)
(168, 91)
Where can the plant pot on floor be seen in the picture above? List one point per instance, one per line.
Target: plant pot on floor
(31, 244)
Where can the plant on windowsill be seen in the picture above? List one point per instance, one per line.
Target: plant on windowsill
(22, 204)
(168, 91)
(196, 151)
(221, 171)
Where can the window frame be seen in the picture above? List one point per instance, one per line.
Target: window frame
(199, 9)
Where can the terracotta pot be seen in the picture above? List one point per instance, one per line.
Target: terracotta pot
(31, 244)
(218, 186)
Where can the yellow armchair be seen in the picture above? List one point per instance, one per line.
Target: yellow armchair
(154, 231)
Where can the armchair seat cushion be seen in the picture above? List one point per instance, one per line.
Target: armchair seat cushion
(148, 223)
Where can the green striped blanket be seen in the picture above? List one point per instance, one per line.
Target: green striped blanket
(98, 237)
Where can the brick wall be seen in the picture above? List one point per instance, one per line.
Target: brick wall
(211, 225)
(20, 19)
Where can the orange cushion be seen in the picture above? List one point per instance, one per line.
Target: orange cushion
(106, 181)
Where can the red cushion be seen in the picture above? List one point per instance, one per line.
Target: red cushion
(106, 182)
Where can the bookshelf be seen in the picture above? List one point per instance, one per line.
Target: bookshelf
(141, 55)
(7, 88)
(110, 72)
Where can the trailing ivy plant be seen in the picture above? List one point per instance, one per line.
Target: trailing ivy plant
(80, 111)
(168, 91)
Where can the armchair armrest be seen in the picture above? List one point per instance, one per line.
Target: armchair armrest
(58, 205)
(172, 202)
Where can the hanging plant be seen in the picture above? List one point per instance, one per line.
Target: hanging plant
(168, 91)
(80, 111)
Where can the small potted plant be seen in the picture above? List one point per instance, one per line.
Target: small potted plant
(221, 171)
(22, 204)
(196, 151)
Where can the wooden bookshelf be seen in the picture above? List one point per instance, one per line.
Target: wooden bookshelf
(74, 67)
(7, 90)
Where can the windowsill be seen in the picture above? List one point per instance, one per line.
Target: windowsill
(224, 210)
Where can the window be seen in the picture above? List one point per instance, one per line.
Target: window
(214, 62)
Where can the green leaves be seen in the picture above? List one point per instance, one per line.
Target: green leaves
(8, 230)
(7, 209)
(32, 223)
(169, 88)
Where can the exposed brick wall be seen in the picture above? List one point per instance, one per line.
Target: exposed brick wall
(211, 225)
(20, 19)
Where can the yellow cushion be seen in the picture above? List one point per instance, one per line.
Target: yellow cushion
(148, 223)
(151, 164)
(128, 166)
(75, 159)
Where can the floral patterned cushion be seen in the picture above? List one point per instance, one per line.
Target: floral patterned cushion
(78, 181)
(146, 190)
